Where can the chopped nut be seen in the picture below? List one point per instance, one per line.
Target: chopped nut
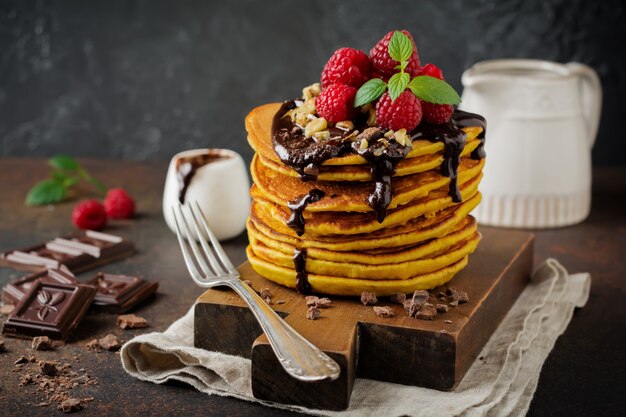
(345, 125)
(401, 137)
(366, 108)
(352, 135)
(389, 134)
(313, 313)
(311, 91)
(383, 311)
(397, 298)
(322, 135)
(316, 125)
(363, 145)
(371, 119)
(368, 298)
(298, 103)
(300, 114)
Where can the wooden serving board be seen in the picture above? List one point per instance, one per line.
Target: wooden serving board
(400, 349)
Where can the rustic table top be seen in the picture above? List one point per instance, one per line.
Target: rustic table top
(582, 376)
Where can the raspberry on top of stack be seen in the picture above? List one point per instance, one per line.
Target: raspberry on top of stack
(366, 182)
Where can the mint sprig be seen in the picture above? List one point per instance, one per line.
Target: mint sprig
(426, 88)
(66, 173)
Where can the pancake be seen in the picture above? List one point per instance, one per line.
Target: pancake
(352, 286)
(348, 223)
(380, 254)
(282, 189)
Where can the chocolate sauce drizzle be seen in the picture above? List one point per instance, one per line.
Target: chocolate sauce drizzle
(187, 166)
(302, 278)
(305, 154)
(296, 220)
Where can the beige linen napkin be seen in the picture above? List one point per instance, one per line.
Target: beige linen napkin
(502, 383)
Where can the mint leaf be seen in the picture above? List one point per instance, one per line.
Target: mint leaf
(432, 90)
(400, 47)
(397, 84)
(64, 162)
(46, 192)
(369, 92)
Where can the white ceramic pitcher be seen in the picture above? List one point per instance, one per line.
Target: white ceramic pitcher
(542, 120)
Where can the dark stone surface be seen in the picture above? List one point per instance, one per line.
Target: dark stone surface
(144, 79)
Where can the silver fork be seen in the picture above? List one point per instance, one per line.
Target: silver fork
(301, 359)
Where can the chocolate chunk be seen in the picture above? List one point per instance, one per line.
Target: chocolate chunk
(441, 308)
(131, 321)
(407, 305)
(370, 134)
(120, 293)
(311, 169)
(6, 309)
(110, 342)
(70, 405)
(93, 345)
(48, 368)
(312, 313)
(323, 302)
(42, 343)
(383, 311)
(462, 297)
(50, 309)
(454, 294)
(368, 298)
(25, 380)
(398, 298)
(427, 312)
(14, 291)
(311, 300)
(418, 299)
(78, 251)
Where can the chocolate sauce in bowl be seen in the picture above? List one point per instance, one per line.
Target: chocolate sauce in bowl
(187, 166)
(302, 278)
(296, 220)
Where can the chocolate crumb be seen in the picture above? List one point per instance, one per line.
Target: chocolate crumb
(280, 301)
(368, 298)
(131, 321)
(110, 342)
(48, 368)
(70, 405)
(397, 298)
(426, 312)
(443, 331)
(93, 345)
(407, 305)
(383, 311)
(248, 283)
(441, 308)
(323, 302)
(25, 380)
(454, 303)
(21, 360)
(42, 343)
(43, 404)
(6, 309)
(313, 313)
(311, 300)
(448, 321)
(265, 293)
(417, 301)
(463, 298)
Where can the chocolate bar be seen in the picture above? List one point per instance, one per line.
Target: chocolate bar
(120, 293)
(49, 309)
(78, 251)
(14, 291)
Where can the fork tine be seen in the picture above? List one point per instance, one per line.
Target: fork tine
(194, 246)
(193, 271)
(216, 244)
(205, 245)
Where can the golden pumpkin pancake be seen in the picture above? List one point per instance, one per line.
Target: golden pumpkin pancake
(347, 223)
(282, 189)
(259, 128)
(381, 255)
(353, 286)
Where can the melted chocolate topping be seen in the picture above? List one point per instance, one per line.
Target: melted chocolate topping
(296, 220)
(302, 278)
(187, 166)
(306, 154)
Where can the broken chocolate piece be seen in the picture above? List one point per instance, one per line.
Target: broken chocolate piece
(398, 298)
(70, 405)
(441, 308)
(110, 342)
(48, 368)
(78, 251)
(49, 309)
(383, 311)
(462, 297)
(418, 299)
(14, 291)
(311, 300)
(368, 298)
(323, 302)
(42, 343)
(93, 345)
(120, 293)
(313, 313)
(131, 321)
(427, 312)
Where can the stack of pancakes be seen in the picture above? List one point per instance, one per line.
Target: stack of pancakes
(423, 241)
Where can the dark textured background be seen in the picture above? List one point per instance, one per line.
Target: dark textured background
(145, 79)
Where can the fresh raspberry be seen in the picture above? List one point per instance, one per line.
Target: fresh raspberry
(118, 204)
(431, 70)
(404, 113)
(346, 66)
(89, 214)
(385, 65)
(437, 113)
(336, 103)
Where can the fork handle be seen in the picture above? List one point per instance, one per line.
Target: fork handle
(300, 358)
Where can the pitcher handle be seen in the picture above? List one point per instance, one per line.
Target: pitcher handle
(591, 97)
